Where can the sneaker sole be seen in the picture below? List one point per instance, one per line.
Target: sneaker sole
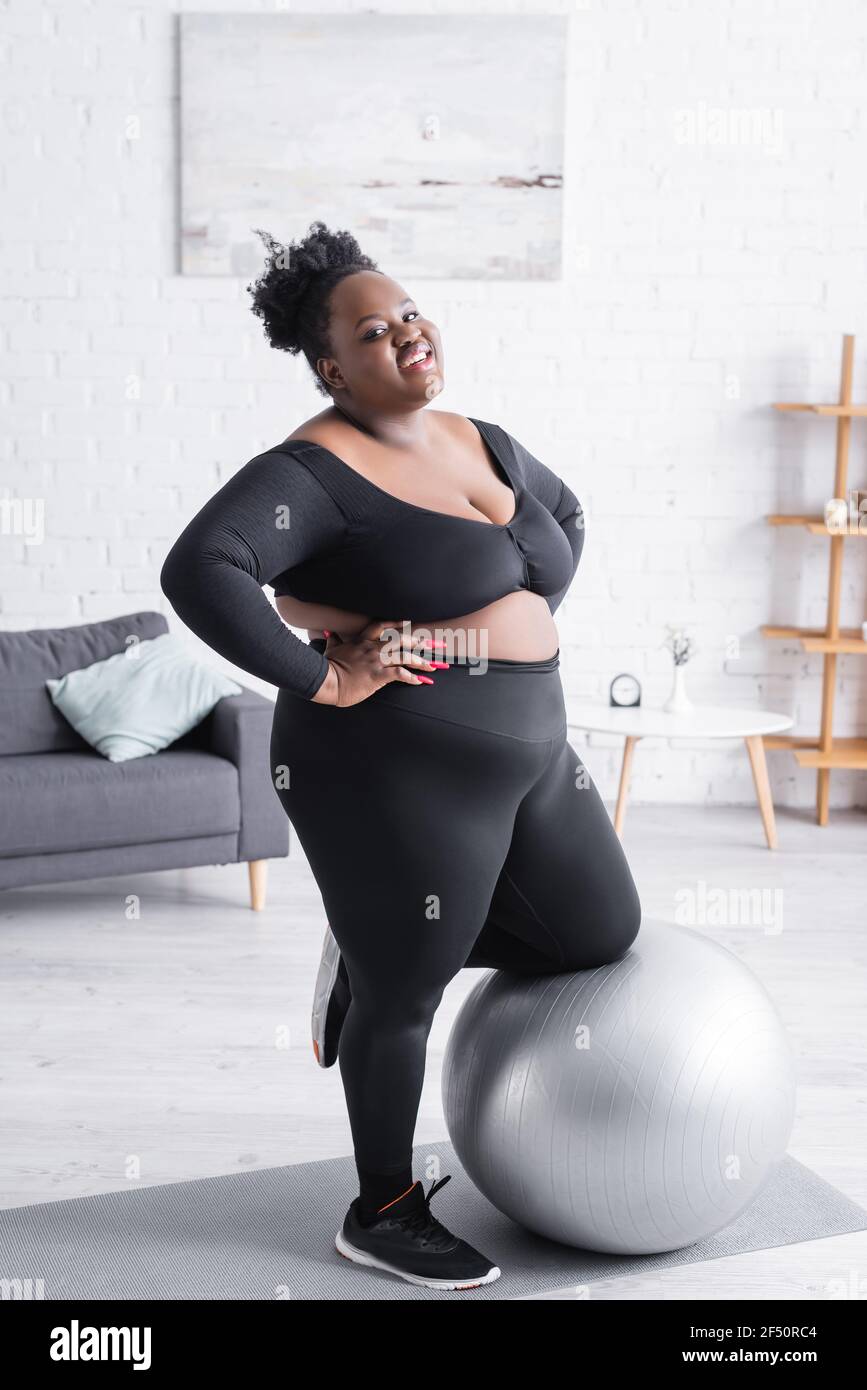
(328, 966)
(360, 1257)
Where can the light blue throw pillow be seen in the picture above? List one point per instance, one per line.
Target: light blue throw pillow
(140, 700)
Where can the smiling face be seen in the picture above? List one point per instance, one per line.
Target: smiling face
(386, 355)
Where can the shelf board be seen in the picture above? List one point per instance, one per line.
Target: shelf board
(820, 528)
(812, 639)
(838, 410)
(848, 753)
(845, 753)
(845, 645)
(816, 524)
(773, 630)
(816, 638)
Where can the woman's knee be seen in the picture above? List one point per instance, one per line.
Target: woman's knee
(608, 929)
(398, 1005)
(628, 925)
(624, 918)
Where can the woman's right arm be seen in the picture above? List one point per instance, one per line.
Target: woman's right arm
(272, 514)
(299, 613)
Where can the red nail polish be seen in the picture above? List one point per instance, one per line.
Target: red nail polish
(440, 665)
(425, 680)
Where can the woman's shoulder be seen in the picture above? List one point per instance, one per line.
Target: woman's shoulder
(467, 424)
(317, 430)
(459, 424)
(284, 468)
(464, 429)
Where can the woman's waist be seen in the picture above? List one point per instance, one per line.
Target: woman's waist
(518, 627)
(522, 699)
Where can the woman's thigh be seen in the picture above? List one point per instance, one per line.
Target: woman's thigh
(566, 888)
(406, 822)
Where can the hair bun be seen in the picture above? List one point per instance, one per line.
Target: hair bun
(290, 296)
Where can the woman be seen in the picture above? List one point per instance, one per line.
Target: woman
(419, 744)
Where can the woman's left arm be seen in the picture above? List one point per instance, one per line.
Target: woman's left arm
(559, 499)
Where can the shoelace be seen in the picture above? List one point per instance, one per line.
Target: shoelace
(423, 1223)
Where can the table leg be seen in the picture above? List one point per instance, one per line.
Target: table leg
(625, 777)
(756, 750)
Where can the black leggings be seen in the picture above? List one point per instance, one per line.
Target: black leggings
(446, 825)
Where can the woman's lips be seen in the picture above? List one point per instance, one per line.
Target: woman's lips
(421, 365)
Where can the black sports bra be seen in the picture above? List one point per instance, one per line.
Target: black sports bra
(301, 519)
(431, 564)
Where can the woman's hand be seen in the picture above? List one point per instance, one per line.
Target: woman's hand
(360, 666)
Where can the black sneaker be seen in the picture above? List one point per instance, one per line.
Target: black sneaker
(331, 1000)
(406, 1240)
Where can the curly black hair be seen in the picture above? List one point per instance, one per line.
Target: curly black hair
(292, 294)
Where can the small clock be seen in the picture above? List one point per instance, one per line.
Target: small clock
(625, 691)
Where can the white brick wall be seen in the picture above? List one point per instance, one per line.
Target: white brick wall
(702, 281)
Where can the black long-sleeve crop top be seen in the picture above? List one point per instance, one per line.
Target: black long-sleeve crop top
(298, 518)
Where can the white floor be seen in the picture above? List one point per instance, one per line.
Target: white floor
(154, 1029)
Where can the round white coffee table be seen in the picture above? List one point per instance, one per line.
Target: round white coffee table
(703, 721)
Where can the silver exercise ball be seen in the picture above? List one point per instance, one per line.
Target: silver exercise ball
(632, 1108)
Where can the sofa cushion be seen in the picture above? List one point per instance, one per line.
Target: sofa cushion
(29, 722)
(136, 703)
(55, 802)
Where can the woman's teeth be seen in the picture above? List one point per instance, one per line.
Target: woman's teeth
(419, 356)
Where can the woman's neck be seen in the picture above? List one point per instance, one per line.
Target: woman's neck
(406, 431)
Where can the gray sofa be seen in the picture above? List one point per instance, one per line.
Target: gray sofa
(66, 812)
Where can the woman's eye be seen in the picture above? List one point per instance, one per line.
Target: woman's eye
(375, 332)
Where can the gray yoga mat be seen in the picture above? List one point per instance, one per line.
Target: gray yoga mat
(269, 1234)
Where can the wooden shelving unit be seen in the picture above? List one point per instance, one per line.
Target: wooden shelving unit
(824, 752)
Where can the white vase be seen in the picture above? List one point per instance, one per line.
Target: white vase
(678, 701)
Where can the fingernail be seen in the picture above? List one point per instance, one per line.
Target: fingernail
(327, 633)
(440, 665)
(425, 680)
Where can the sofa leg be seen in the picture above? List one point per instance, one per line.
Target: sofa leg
(258, 869)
